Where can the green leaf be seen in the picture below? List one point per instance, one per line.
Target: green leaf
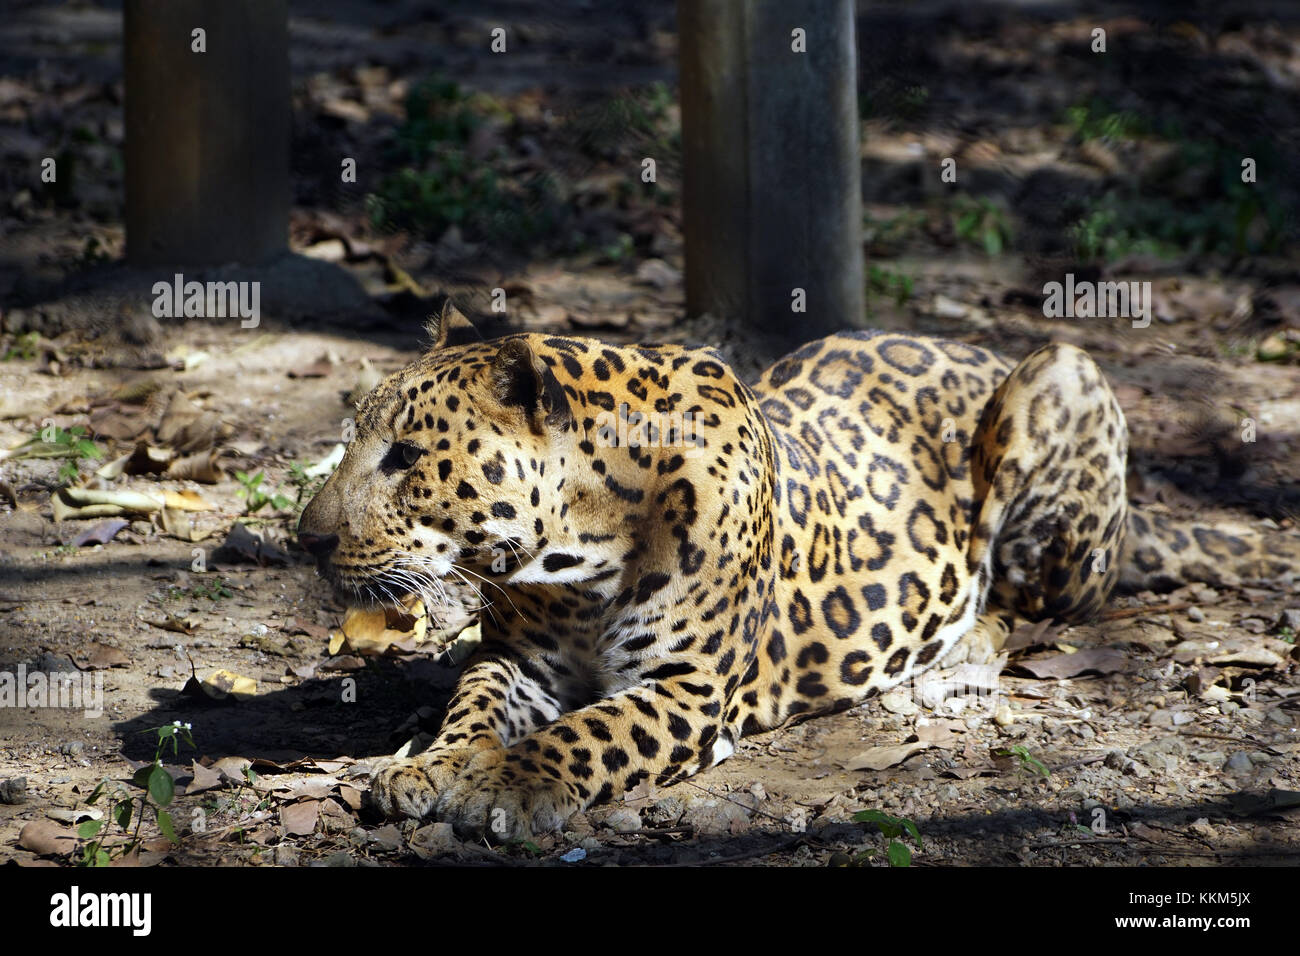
(165, 825)
(992, 241)
(141, 777)
(122, 813)
(161, 786)
(101, 858)
(89, 828)
(95, 794)
(899, 855)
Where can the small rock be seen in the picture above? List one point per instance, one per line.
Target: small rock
(1290, 620)
(387, 837)
(1195, 614)
(947, 792)
(72, 748)
(1238, 762)
(13, 790)
(1279, 716)
(717, 816)
(1214, 758)
(286, 855)
(1003, 717)
(340, 858)
(591, 844)
(434, 840)
(897, 702)
(623, 820)
(839, 858)
(665, 811)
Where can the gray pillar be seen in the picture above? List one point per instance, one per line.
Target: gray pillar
(207, 134)
(772, 179)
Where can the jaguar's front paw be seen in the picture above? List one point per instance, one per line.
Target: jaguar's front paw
(410, 786)
(492, 797)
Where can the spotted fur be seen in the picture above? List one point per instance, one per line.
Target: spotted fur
(822, 536)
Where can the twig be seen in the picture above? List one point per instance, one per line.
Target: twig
(1121, 612)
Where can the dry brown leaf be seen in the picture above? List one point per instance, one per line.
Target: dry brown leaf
(223, 683)
(205, 778)
(370, 632)
(45, 838)
(1103, 660)
(882, 758)
(98, 657)
(202, 467)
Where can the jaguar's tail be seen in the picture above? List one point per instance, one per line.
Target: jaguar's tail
(1162, 552)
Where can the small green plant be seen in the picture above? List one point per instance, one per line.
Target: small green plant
(981, 222)
(213, 590)
(1286, 633)
(69, 443)
(893, 829)
(24, 347)
(1028, 763)
(159, 791)
(886, 282)
(254, 497)
(1096, 120)
(307, 485)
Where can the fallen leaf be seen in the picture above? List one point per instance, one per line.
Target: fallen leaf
(205, 778)
(100, 533)
(186, 501)
(314, 788)
(369, 632)
(223, 683)
(1029, 635)
(45, 838)
(99, 657)
(1103, 660)
(243, 546)
(881, 758)
(76, 503)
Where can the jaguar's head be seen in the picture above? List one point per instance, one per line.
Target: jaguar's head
(447, 477)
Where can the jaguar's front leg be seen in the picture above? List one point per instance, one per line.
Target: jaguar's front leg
(498, 699)
(664, 731)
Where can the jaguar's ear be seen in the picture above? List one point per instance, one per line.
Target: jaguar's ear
(448, 326)
(521, 380)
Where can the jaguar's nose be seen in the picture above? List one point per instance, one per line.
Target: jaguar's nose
(318, 546)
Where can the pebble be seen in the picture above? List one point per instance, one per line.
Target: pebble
(13, 790)
(286, 855)
(624, 820)
(1238, 762)
(1195, 614)
(899, 703)
(665, 811)
(339, 858)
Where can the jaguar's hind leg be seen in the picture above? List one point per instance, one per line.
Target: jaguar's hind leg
(1048, 468)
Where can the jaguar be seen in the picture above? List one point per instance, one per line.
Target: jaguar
(874, 504)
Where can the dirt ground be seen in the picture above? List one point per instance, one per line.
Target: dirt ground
(1164, 733)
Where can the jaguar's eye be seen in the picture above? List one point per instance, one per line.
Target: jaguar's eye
(401, 455)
